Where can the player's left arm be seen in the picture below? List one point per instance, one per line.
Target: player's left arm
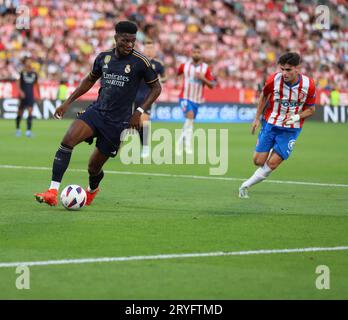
(37, 87)
(308, 108)
(292, 118)
(207, 79)
(307, 112)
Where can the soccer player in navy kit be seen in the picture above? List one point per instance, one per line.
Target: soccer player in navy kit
(143, 91)
(121, 70)
(28, 80)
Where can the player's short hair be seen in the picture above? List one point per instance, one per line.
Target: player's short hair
(291, 58)
(196, 47)
(126, 27)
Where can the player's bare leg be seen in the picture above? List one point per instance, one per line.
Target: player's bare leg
(274, 161)
(78, 132)
(186, 134)
(96, 174)
(29, 122)
(267, 162)
(144, 135)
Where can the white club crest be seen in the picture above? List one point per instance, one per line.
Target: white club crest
(291, 144)
(127, 69)
(106, 61)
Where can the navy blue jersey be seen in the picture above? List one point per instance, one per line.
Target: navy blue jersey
(144, 89)
(27, 80)
(119, 83)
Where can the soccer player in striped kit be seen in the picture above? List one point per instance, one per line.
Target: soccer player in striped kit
(196, 75)
(290, 96)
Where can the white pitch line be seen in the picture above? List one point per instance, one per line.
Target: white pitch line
(167, 256)
(306, 183)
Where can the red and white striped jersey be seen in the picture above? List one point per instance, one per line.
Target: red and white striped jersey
(285, 98)
(192, 88)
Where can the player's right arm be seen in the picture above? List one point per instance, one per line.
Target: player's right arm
(179, 72)
(20, 91)
(265, 94)
(86, 84)
(261, 105)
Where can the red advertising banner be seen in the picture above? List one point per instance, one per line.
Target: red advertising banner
(48, 90)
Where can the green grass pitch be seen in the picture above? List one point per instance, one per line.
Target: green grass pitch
(150, 215)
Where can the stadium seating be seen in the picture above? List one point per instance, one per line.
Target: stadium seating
(241, 39)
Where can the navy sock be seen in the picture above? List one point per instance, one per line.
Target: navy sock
(95, 180)
(18, 121)
(145, 131)
(61, 162)
(29, 122)
(141, 135)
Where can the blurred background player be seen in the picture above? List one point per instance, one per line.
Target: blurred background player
(335, 97)
(291, 99)
(27, 86)
(196, 75)
(143, 91)
(62, 92)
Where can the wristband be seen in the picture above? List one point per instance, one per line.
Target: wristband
(141, 110)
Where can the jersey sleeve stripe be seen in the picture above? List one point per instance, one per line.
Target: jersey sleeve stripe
(92, 76)
(152, 80)
(142, 58)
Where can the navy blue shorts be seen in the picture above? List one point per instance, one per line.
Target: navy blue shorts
(108, 133)
(26, 103)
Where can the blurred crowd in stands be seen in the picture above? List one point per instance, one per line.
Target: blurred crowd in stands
(241, 40)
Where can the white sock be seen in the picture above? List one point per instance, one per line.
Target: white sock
(90, 190)
(259, 175)
(181, 138)
(188, 127)
(54, 185)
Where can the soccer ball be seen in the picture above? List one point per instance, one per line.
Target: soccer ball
(73, 197)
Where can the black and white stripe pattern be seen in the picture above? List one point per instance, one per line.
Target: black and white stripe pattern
(65, 148)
